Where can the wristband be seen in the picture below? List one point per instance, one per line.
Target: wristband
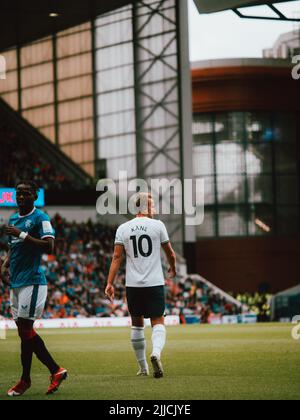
(23, 236)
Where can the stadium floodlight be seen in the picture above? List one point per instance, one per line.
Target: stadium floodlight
(212, 6)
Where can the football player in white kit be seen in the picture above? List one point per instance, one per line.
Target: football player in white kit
(141, 239)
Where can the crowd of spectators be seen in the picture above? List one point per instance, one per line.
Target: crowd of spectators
(18, 161)
(258, 303)
(77, 276)
(190, 297)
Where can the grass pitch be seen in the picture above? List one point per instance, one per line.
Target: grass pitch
(201, 362)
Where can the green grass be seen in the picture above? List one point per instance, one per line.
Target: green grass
(201, 362)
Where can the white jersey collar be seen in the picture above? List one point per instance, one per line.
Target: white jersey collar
(26, 215)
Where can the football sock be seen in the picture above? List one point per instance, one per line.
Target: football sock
(159, 335)
(43, 355)
(139, 345)
(26, 332)
(26, 359)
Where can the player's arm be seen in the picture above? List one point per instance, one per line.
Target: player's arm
(5, 266)
(171, 257)
(114, 269)
(45, 245)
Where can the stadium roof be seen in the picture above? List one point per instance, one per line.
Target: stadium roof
(23, 21)
(211, 6)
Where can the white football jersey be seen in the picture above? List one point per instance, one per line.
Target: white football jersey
(142, 239)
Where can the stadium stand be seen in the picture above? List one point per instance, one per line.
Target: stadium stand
(26, 153)
(18, 161)
(77, 276)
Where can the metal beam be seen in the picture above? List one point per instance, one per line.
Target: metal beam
(280, 16)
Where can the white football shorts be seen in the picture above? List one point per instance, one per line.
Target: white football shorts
(28, 302)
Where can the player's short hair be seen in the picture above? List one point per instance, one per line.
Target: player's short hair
(142, 200)
(33, 186)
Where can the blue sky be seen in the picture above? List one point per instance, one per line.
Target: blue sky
(225, 35)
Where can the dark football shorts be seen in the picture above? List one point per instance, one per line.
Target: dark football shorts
(148, 302)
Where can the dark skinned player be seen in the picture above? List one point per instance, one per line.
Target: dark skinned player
(30, 236)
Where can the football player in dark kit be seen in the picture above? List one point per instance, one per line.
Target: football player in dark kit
(30, 236)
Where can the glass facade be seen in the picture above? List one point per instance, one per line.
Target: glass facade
(50, 82)
(108, 93)
(115, 92)
(249, 164)
(138, 95)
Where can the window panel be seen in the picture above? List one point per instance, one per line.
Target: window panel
(203, 160)
(76, 131)
(230, 159)
(74, 44)
(208, 228)
(232, 222)
(231, 189)
(259, 159)
(74, 66)
(260, 189)
(115, 124)
(36, 96)
(259, 127)
(110, 35)
(124, 13)
(75, 88)
(38, 75)
(255, 152)
(116, 101)
(122, 164)
(75, 110)
(203, 129)
(115, 147)
(10, 83)
(113, 57)
(230, 127)
(115, 79)
(40, 117)
(79, 28)
(11, 60)
(209, 190)
(37, 53)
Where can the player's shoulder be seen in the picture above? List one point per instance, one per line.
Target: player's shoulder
(41, 215)
(125, 225)
(157, 222)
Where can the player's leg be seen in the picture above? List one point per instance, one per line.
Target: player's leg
(26, 351)
(138, 341)
(159, 334)
(31, 306)
(58, 374)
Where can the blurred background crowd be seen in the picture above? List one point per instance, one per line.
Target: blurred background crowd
(77, 277)
(18, 161)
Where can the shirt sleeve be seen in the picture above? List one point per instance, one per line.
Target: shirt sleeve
(119, 237)
(9, 238)
(164, 236)
(45, 227)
